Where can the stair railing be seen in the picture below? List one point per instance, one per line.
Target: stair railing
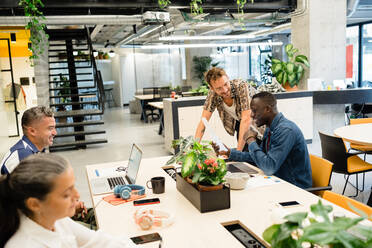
(96, 74)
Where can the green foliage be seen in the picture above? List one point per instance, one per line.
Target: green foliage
(299, 229)
(196, 7)
(163, 3)
(291, 71)
(197, 161)
(201, 65)
(201, 90)
(35, 26)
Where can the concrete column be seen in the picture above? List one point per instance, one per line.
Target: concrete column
(41, 66)
(190, 53)
(320, 34)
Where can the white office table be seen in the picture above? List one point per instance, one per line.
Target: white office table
(360, 134)
(252, 207)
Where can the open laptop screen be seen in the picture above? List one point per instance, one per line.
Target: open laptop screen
(133, 164)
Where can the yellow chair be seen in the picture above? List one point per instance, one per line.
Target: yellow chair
(321, 170)
(363, 148)
(343, 201)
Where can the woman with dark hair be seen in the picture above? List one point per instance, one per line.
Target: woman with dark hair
(36, 201)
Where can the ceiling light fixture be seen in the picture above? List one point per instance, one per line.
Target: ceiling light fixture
(207, 37)
(13, 37)
(111, 54)
(212, 45)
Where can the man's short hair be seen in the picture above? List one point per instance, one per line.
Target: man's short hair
(35, 114)
(266, 97)
(213, 74)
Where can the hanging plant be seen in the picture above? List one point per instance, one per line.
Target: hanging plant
(196, 7)
(35, 25)
(163, 3)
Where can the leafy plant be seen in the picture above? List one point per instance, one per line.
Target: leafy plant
(291, 71)
(196, 7)
(319, 230)
(202, 90)
(201, 65)
(266, 73)
(163, 3)
(36, 27)
(198, 162)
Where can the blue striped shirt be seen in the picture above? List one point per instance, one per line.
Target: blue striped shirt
(21, 150)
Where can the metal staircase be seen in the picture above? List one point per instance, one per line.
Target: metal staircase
(75, 89)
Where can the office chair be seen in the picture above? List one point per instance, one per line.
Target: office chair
(343, 201)
(321, 170)
(334, 150)
(366, 149)
(149, 110)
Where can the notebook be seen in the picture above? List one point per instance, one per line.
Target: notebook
(120, 175)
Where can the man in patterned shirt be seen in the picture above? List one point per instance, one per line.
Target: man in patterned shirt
(39, 129)
(232, 100)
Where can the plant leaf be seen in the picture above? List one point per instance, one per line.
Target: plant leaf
(302, 59)
(296, 217)
(271, 232)
(288, 48)
(290, 67)
(321, 210)
(275, 61)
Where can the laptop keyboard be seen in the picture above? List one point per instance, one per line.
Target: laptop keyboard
(113, 181)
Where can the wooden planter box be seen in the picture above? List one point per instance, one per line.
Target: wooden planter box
(204, 201)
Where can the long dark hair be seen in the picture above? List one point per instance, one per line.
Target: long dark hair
(33, 177)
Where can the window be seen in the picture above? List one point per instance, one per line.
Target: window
(367, 55)
(352, 54)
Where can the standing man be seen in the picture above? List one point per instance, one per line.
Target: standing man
(232, 99)
(39, 129)
(283, 151)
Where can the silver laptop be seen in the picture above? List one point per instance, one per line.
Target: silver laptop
(240, 167)
(120, 175)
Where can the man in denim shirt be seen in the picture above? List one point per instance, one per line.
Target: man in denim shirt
(283, 151)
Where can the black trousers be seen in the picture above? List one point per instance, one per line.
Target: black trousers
(237, 128)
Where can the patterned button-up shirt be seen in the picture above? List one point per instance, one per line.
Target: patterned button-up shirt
(242, 94)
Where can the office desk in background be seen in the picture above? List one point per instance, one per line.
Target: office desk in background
(159, 105)
(252, 207)
(360, 134)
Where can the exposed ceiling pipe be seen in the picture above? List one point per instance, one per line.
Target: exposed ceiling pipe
(142, 32)
(75, 20)
(96, 31)
(351, 7)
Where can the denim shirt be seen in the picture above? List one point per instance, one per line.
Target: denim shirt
(287, 156)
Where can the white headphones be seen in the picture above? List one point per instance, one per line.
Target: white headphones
(146, 218)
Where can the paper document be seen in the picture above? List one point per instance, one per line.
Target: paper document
(260, 181)
(112, 171)
(215, 138)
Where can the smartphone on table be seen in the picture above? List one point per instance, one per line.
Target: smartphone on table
(288, 204)
(146, 201)
(143, 239)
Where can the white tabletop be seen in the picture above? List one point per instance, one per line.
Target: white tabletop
(359, 134)
(158, 105)
(144, 97)
(252, 207)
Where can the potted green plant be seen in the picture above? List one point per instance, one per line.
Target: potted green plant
(202, 174)
(201, 65)
(199, 162)
(289, 73)
(318, 229)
